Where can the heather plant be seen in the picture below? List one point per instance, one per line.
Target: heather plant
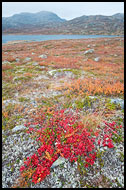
(6, 67)
(90, 86)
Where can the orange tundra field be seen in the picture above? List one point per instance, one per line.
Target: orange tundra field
(73, 91)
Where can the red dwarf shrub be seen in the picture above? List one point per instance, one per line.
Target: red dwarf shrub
(61, 135)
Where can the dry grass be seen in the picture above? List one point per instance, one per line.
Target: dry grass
(92, 120)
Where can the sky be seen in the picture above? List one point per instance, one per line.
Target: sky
(66, 10)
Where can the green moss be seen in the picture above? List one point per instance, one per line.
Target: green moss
(61, 165)
(87, 102)
(67, 105)
(79, 104)
(47, 102)
(47, 46)
(74, 71)
(117, 138)
(22, 78)
(8, 90)
(23, 99)
(111, 106)
(18, 160)
(101, 163)
(121, 157)
(89, 186)
(10, 121)
(119, 185)
(81, 167)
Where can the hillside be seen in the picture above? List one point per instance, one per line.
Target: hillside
(25, 21)
(46, 22)
(95, 25)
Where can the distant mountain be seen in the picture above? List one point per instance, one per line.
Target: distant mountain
(26, 21)
(97, 24)
(46, 22)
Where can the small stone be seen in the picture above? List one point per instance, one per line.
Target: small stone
(43, 56)
(68, 74)
(5, 62)
(100, 186)
(105, 148)
(18, 128)
(27, 59)
(118, 101)
(74, 185)
(59, 161)
(41, 77)
(41, 67)
(17, 59)
(89, 51)
(35, 63)
(97, 59)
(92, 97)
(16, 94)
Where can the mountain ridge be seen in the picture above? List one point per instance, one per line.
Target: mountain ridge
(46, 22)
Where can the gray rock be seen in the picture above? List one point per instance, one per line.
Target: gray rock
(118, 101)
(92, 97)
(27, 59)
(35, 63)
(18, 128)
(16, 94)
(41, 77)
(55, 93)
(43, 56)
(28, 63)
(6, 102)
(97, 59)
(17, 59)
(61, 73)
(89, 51)
(59, 161)
(68, 74)
(5, 62)
(42, 67)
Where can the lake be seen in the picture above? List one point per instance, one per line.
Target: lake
(7, 38)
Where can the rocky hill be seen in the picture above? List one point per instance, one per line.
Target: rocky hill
(25, 21)
(95, 25)
(46, 22)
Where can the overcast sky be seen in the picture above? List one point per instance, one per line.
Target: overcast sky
(66, 10)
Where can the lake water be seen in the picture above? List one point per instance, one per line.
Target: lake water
(7, 38)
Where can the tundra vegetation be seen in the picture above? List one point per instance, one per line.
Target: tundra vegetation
(67, 95)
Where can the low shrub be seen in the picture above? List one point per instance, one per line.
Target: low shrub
(62, 135)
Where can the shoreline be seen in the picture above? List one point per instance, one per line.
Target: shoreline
(37, 40)
(28, 34)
